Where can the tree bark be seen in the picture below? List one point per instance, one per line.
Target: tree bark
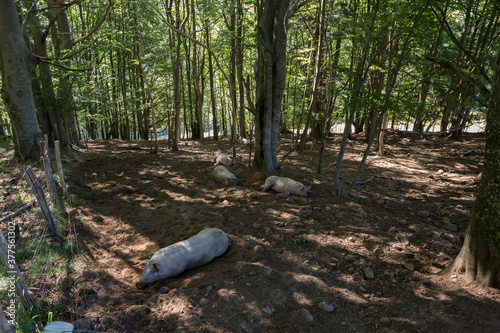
(270, 77)
(479, 258)
(16, 64)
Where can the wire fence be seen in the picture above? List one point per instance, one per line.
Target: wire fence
(41, 261)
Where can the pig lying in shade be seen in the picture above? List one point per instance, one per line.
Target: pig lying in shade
(222, 159)
(286, 185)
(193, 252)
(223, 176)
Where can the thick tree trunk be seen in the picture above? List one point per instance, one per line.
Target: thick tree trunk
(479, 258)
(16, 65)
(270, 76)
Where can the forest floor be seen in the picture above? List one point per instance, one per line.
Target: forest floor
(369, 262)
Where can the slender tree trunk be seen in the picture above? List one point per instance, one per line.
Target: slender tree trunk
(196, 79)
(316, 75)
(239, 68)
(212, 88)
(64, 93)
(58, 131)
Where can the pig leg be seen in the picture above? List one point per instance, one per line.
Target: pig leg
(267, 186)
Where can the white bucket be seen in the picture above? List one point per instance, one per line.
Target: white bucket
(59, 327)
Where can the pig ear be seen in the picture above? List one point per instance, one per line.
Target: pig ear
(156, 266)
(141, 264)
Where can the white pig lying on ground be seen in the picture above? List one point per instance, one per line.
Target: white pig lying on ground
(193, 252)
(222, 159)
(223, 176)
(286, 185)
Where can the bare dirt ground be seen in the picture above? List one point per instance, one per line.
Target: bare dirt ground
(374, 257)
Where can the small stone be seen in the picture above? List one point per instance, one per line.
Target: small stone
(240, 266)
(304, 201)
(164, 290)
(204, 301)
(393, 229)
(258, 248)
(290, 200)
(368, 272)
(444, 212)
(385, 320)
(378, 251)
(413, 228)
(317, 208)
(326, 307)
(362, 289)
(254, 196)
(424, 213)
(409, 266)
(381, 201)
(305, 313)
(452, 227)
(226, 202)
(362, 212)
(426, 282)
(350, 258)
(402, 222)
(267, 271)
(328, 208)
(267, 310)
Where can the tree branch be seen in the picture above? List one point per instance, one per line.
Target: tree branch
(479, 86)
(444, 23)
(96, 27)
(64, 67)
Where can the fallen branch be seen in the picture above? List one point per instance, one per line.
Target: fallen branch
(19, 211)
(361, 183)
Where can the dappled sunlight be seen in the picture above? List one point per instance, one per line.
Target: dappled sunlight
(285, 255)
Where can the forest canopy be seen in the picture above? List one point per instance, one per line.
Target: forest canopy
(122, 62)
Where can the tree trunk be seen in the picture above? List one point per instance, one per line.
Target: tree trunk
(16, 64)
(212, 88)
(316, 74)
(479, 258)
(270, 77)
(196, 80)
(239, 68)
(64, 93)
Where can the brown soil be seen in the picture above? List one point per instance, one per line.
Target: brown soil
(297, 254)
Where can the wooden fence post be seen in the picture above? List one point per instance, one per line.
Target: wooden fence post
(7, 255)
(60, 169)
(35, 187)
(4, 325)
(45, 158)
